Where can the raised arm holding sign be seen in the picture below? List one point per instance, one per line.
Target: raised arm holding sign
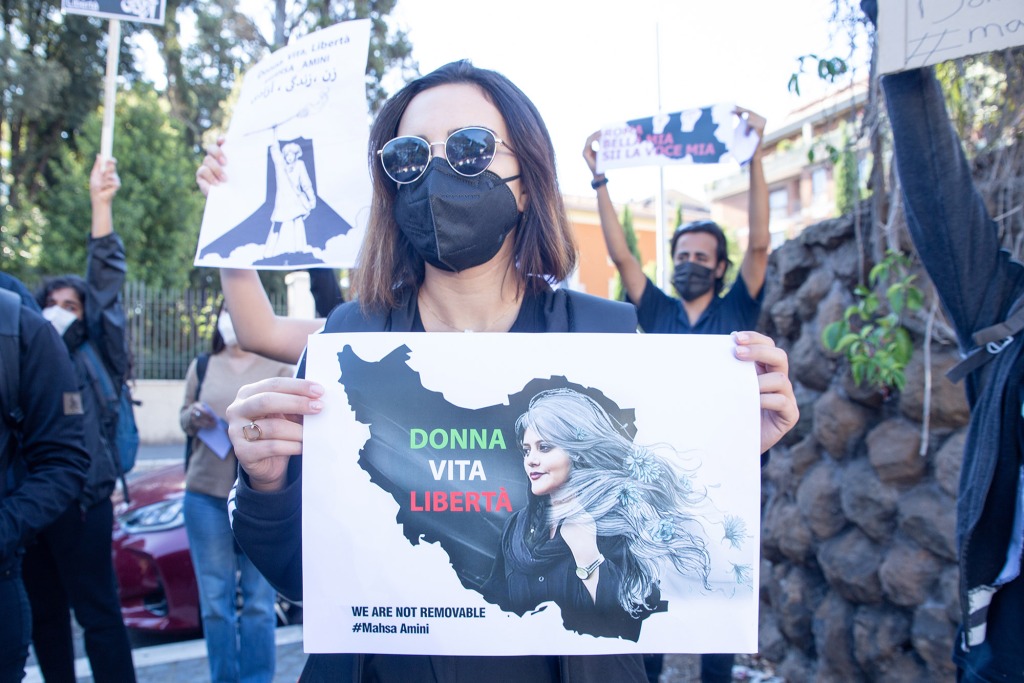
(299, 192)
(699, 252)
(981, 287)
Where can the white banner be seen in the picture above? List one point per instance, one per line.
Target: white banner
(298, 189)
(514, 494)
(924, 32)
(709, 135)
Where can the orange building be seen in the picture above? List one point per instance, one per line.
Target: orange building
(596, 274)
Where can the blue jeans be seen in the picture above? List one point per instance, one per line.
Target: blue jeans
(239, 643)
(16, 624)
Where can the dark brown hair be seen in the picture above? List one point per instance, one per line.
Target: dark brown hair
(544, 250)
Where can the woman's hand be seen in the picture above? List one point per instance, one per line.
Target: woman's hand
(779, 412)
(265, 426)
(201, 417)
(211, 171)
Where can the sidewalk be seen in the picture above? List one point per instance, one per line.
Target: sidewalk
(185, 662)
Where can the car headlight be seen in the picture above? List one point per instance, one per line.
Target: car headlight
(167, 514)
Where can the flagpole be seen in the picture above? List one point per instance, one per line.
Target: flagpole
(109, 96)
(659, 213)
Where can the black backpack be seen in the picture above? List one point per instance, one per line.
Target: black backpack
(10, 379)
(202, 360)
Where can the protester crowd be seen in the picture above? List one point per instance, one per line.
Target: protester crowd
(457, 241)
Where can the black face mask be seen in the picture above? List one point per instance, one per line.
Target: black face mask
(692, 280)
(74, 335)
(455, 222)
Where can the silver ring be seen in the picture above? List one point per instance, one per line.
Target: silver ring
(252, 431)
(197, 413)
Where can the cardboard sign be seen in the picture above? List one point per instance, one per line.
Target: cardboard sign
(145, 11)
(924, 32)
(298, 190)
(513, 494)
(709, 135)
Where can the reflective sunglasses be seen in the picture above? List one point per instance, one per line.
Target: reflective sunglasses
(469, 151)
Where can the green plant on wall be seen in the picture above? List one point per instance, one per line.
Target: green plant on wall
(876, 344)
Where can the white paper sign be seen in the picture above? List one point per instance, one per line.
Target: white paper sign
(421, 536)
(709, 135)
(298, 190)
(924, 32)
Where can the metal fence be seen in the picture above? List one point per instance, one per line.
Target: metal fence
(167, 328)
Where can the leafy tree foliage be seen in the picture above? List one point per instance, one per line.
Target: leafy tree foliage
(158, 209)
(51, 80)
(847, 174)
(201, 75)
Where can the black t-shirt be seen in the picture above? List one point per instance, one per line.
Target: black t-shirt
(660, 313)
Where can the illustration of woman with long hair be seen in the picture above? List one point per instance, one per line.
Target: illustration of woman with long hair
(605, 517)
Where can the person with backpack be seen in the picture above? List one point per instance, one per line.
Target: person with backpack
(239, 641)
(43, 460)
(70, 564)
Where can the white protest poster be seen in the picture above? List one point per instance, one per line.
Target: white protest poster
(708, 135)
(918, 33)
(298, 189)
(513, 494)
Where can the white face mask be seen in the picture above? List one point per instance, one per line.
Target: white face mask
(59, 318)
(226, 329)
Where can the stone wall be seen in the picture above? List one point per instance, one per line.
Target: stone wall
(858, 575)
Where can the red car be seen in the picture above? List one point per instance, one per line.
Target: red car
(157, 583)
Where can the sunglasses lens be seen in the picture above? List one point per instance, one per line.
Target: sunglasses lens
(405, 159)
(470, 150)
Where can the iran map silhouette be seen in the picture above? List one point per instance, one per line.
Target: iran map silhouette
(388, 396)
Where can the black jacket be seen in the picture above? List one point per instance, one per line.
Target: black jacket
(106, 331)
(48, 469)
(525, 576)
(978, 284)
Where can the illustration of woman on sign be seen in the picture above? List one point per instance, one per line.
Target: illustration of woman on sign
(294, 200)
(605, 516)
(293, 224)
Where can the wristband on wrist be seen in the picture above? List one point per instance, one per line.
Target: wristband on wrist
(598, 182)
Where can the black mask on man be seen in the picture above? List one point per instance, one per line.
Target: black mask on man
(692, 280)
(455, 222)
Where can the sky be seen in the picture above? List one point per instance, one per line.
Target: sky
(586, 63)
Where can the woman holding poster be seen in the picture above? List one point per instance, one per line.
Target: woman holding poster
(467, 230)
(605, 516)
